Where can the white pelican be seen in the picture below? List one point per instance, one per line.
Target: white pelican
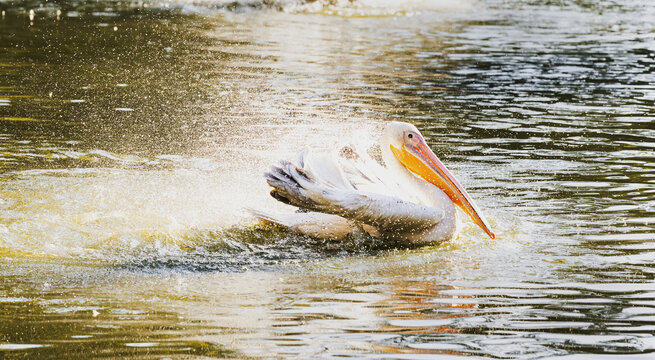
(412, 199)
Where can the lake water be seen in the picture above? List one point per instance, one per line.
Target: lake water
(134, 134)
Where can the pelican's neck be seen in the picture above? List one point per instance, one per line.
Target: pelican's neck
(427, 194)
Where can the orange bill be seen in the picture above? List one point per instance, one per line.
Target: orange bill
(420, 160)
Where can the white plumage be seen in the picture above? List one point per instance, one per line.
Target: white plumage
(338, 192)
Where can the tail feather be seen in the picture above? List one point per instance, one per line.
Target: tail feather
(318, 225)
(269, 217)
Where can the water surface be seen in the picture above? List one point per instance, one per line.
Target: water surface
(134, 134)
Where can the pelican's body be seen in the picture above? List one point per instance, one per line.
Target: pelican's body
(413, 199)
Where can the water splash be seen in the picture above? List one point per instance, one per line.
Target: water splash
(171, 210)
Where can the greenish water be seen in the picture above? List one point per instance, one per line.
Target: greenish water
(133, 135)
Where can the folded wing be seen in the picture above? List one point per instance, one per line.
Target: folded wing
(331, 185)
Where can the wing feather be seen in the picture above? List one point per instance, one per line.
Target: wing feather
(387, 213)
(318, 186)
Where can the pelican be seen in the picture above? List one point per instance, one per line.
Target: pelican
(412, 199)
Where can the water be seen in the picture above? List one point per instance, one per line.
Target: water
(133, 134)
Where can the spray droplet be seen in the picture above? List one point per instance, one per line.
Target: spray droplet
(31, 16)
(115, 28)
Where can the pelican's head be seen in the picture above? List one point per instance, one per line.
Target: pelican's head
(409, 148)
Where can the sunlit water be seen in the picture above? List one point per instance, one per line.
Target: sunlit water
(134, 134)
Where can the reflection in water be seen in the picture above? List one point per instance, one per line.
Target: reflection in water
(419, 311)
(132, 135)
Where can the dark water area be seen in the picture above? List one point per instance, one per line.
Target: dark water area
(134, 134)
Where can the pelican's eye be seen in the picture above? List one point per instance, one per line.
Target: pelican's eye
(411, 138)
